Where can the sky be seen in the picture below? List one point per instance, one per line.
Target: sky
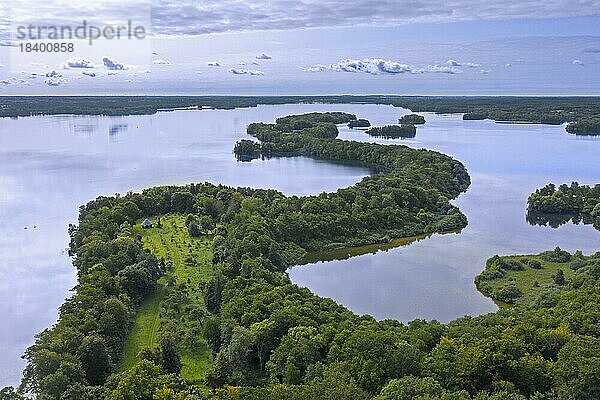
(307, 47)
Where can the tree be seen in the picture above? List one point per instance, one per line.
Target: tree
(171, 361)
(410, 387)
(221, 370)
(559, 277)
(95, 359)
(577, 369)
(211, 330)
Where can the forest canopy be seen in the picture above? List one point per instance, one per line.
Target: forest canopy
(270, 339)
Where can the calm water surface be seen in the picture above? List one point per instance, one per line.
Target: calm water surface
(51, 165)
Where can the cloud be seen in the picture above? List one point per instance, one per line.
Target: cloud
(193, 17)
(373, 66)
(485, 71)
(263, 56)
(53, 82)
(454, 63)
(77, 62)
(592, 50)
(213, 64)
(443, 69)
(378, 66)
(161, 62)
(578, 62)
(316, 68)
(112, 64)
(4, 82)
(89, 73)
(242, 71)
(1, 65)
(53, 74)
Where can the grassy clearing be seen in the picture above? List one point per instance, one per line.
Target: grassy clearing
(531, 282)
(191, 260)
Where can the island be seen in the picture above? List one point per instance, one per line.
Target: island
(393, 131)
(359, 123)
(198, 305)
(412, 119)
(555, 206)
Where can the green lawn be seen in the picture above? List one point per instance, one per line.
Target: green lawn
(192, 264)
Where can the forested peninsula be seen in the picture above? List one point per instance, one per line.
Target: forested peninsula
(206, 288)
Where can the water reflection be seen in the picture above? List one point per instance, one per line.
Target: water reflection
(116, 129)
(557, 220)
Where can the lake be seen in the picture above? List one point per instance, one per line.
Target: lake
(51, 165)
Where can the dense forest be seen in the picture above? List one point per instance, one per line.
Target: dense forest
(581, 112)
(271, 339)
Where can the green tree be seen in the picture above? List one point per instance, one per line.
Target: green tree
(95, 359)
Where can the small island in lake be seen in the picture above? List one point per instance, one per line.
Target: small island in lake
(394, 131)
(556, 206)
(359, 123)
(412, 119)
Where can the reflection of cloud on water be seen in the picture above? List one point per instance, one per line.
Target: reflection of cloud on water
(84, 130)
(116, 129)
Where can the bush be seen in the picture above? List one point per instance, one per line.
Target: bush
(507, 294)
(557, 256)
(535, 264)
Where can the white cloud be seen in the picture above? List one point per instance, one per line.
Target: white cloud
(161, 62)
(454, 63)
(371, 66)
(53, 74)
(485, 71)
(53, 82)
(242, 71)
(316, 68)
(4, 82)
(213, 64)
(378, 66)
(263, 56)
(578, 62)
(77, 62)
(1, 65)
(112, 64)
(443, 69)
(89, 73)
(592, 50)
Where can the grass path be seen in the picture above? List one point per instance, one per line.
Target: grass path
(192, 264)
